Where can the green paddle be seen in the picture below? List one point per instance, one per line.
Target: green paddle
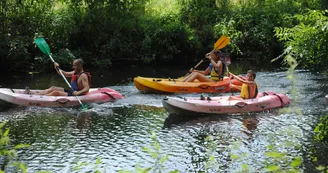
(44, 47)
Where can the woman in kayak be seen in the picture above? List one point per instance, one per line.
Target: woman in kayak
(215, 69)
(80, 81)
(248, 89)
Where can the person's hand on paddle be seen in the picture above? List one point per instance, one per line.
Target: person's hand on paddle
(56, 65)
(208, 56)
(231, 75)
(76, 93)
(191, 70)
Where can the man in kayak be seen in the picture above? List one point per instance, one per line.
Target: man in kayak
(80, 81)
(215, 69)
(248, 89)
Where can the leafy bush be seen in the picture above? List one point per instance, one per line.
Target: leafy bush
(308, 40)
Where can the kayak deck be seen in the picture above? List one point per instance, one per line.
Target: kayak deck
(222, 105)
(164, 85)
(95, 95)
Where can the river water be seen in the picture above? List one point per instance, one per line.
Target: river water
(118, 132)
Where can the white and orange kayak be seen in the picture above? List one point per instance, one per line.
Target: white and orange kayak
(221, 105)
(95, 95)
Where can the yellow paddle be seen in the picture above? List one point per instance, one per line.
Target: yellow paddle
(219, 44)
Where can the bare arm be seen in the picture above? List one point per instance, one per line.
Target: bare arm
(216, 65)
(207, 71)
(241, 80)
(85, 84)
(65, 73)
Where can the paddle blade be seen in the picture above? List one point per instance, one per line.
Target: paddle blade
(221, 43)
(84, 107)
(43, 46)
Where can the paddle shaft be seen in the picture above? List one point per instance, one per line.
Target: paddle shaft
(200, 62)
(227, 64)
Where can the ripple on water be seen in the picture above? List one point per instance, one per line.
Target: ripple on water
(118, 131)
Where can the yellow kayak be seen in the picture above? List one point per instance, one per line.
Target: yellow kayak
(167, 85)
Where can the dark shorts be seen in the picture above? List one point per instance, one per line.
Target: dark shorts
(69, 92)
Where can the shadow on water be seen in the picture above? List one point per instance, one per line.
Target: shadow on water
(118, 131)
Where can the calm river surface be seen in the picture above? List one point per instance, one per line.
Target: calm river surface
(118, 132)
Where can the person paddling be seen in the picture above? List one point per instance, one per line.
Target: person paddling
(248, 89)
(80, 81)
(215, 69)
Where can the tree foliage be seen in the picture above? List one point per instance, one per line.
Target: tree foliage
(106, 31)
(308, 39)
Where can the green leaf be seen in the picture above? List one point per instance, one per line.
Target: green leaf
(273, 154)
(146, 149)
(124, 171)
(3, 124)
(22, 146)
(272, 168)
(244, 167)
(270, 147)
(98, 161)
(164, 159)
(6, 132)
(143, 170)
(175, 171)
(233, 156)
(320, 168)
(22, 167)
(297, 162)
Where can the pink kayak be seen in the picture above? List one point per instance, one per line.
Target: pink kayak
(221, 105)
(95, 95)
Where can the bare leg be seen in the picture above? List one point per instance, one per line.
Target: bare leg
(50, 90)
(57, 93)
(187, 77)
(235, 98)
(199, 77)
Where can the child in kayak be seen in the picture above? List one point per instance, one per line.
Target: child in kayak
(248, 89)
(215, 69)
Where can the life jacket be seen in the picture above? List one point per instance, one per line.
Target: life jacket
(245, 92)
(215, 75)
(75, 77)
